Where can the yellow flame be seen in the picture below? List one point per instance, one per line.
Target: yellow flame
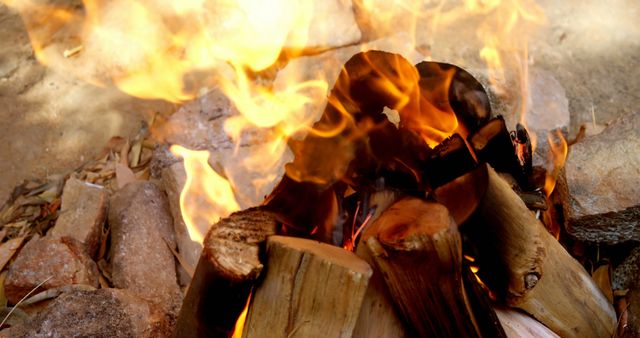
(239, 327)
(203, 187)
(173, 49)
(558, 150)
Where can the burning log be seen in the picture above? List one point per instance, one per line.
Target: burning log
(226, 272)
(492, 144)
(310, 289)
(418, 249)
(450, 159)
(531, 269)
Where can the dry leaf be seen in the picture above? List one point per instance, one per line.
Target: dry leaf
(124, 175)
(134, 155)
(8, 249)
(602, 278)
(52, 293)
(3, 297)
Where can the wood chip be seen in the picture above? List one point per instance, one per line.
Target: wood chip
(72, 51)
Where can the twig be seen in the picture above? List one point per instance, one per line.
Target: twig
(23, 298)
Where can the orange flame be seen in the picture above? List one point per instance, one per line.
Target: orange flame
(557, 157)
(206, 196)
(239, 327)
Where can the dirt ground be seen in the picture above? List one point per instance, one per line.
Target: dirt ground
(52, 122)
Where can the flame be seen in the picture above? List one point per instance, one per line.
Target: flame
(206, 196)
(558, 150)
(175, 49)
(239, 327)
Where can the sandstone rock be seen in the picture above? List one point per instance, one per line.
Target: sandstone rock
(141, 233)
(603, 180)
(83, 212)
(99, 313)
(173, 179)
(62, 259)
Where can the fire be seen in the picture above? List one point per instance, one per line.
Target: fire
(175, 49)
(557, 157)
(206, 196)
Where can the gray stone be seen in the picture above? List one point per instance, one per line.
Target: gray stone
(603, 179)
(99, 313)
(82, 215)
(141, 234)
(61, 260)
(627, 272)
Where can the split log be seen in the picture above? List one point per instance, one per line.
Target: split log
(520, 325)
(531, 270)
(310, 289)
(418, 249)
(226, 272)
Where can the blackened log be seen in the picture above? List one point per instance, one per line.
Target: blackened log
(465, 95)
(450, 159)
(492, 143)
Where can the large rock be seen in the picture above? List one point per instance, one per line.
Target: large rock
(61, 260)
(100, 313)
(141, 234)
(603, 180)
(83, 212)
(174, 178)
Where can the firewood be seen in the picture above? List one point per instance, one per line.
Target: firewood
(226, 272)
(450, 159)
(520, 325)
(530, 268)
(492, 144)
(418, 250)
(310, 289)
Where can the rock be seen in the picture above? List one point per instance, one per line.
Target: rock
(603, 180)
(548, 107)
(632, 329)
(343, 29)
(62, 259)
(83, 212)
(173, 179)
(199, 125)
(98, 313)
(141, 234)
(161, 158)
(627, 272)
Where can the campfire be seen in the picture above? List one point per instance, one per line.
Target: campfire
(316, 181)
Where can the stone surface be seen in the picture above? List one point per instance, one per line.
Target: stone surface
(603, 179)
(627, 272)
(100, 313)
(141, 233)
(52, 122)
(632, 329)
(173, 179)
(83, 212)
(62, 259)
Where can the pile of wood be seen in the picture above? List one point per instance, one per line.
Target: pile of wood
(378, 234)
